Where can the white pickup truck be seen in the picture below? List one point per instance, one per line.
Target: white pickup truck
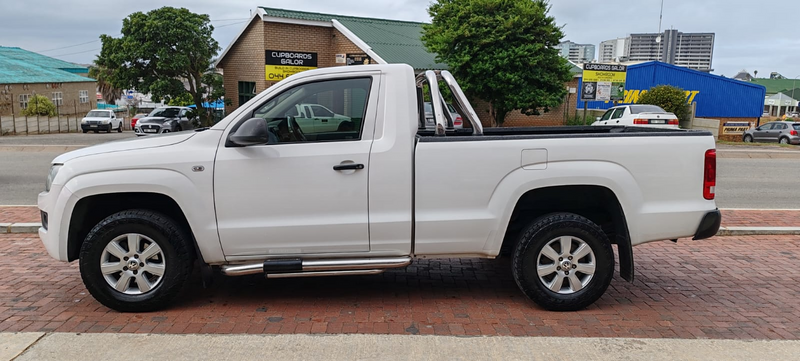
(262, 195)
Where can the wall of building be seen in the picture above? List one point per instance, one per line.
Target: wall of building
(71, 102)
(555, 117)
(715, 96)
(245, 60)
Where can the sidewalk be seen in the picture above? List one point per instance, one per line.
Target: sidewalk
(735, 222)
(69, 346)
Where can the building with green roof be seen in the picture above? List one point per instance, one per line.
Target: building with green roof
(24, 73)
(276, 43)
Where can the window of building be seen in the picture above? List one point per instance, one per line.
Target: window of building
(58, 98)
(247, 90)
(338, 111)
(83, 95)
(23, 101)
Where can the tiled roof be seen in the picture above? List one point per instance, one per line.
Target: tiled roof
(393, 40)
(18, 66)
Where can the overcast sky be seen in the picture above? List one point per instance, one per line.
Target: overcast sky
(750, 34)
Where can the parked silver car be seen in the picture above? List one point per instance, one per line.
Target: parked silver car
(165, 120)
(781, 132)
(458, 122)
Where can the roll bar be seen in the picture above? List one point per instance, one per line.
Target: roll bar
(441, 115)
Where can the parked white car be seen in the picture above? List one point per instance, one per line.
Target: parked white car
(245, 197)
(318, 118)
(639, 115)
(101, 119)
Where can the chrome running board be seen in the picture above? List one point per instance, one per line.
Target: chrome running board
(317, 266)
(327, 273)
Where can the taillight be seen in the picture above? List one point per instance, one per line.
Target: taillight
(710, 174)
(793, 132)
(641, 121)
(673, 122)
(458, 121)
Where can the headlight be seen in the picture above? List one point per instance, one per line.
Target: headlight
(105, 121)
(53, 171)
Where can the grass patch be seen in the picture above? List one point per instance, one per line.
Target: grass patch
(743, 144)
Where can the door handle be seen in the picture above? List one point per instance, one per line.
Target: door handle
(323, 120)
(351, 166)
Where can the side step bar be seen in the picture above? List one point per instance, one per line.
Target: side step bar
(296, 267)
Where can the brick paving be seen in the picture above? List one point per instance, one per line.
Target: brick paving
(725, 287)
(730, 218)
(24, 214)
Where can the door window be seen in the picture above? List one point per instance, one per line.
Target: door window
(606, 116)
(320, 111)
(618, 113)
(346, 97)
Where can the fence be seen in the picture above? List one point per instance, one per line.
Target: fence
(22, 125)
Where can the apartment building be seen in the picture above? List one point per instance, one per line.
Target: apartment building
(689, 50)
(577, 53)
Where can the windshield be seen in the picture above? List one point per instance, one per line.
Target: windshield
(98, 114)
(164, 112)
(636, 109)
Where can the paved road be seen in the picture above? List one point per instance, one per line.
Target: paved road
(741, 182)
(720, 288)
(64, 139)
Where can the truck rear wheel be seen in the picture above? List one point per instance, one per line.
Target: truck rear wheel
(563, 262)
(136, 261)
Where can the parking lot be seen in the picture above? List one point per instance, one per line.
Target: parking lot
(725, 287)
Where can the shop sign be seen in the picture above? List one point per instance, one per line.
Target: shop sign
(735, 127)
(358, 59)
(603, 82)
(281, 63)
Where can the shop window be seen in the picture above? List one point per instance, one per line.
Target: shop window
(247, 90)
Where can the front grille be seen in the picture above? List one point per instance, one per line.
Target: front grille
(44, 219)
(147, 127)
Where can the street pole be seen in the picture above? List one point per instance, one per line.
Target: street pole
(793, 87)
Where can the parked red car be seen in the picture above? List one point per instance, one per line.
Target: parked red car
(136, 118)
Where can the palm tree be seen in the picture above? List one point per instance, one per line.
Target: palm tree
(109, 92)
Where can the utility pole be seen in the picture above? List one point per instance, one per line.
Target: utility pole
(659, 39)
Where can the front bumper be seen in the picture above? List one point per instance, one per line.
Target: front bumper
(53, 232)
(709, 226)
(97, 127)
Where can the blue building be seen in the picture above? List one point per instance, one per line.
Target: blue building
(716, 97)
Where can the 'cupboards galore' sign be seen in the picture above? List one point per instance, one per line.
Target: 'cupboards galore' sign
(281, 63)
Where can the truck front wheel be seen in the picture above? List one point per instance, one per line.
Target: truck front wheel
(136, 261)
(563, 262)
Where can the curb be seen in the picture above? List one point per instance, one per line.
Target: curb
(758, 231)
(723, 231)
(19, 227)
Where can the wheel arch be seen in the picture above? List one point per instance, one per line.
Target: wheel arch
(597, 203)
(90, 210)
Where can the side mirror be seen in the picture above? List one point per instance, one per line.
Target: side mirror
(597, 119)
(252, 132)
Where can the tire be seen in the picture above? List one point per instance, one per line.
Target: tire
(552, 230)
(173, 257)
(119, 129)
(783, 140)
(85, 131)
(178, 129)
(748, 138)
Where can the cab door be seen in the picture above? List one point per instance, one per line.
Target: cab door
(306, 192)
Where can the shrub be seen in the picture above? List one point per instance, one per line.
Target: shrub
(670, 98)
(39, 105)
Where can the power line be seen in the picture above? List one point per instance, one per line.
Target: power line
(222, 26)
(80, 52)
(68, 46)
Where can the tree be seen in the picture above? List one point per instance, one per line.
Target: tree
(39, 105)
(669, 98)
(103, 76)
(501, 51)
(166, 52)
